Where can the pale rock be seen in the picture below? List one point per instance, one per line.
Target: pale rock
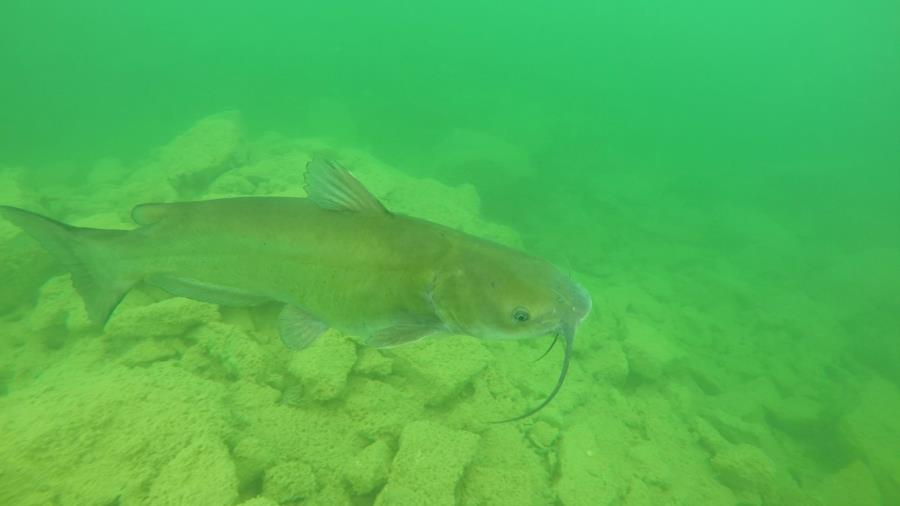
(428, 466)
(59, 312)
(211, 147)
(171, 317)
(365, 404)
(610, 363)
(504, 486)
(734, 429)
(797, 415)
(708, 436)
(854, 485)
(277, 173)
(506, 472)
(745, 468)
(246, 395)
(650, 354)
(369, 469)
(201, 473)
(103, 220)
(439, 368)
(259, 501)
(106, 433)
(650, 465)
(251, 459)
(496, 158)
(289, 482)
(148, 351)
(231, 185)
(323, 367)
(374, 363)
(458, 207)
(331, 494)
(872, 430)
(236, 351)
(708, 375)
(582, 460)
(13, 190)
(543, 435)
(24, 266)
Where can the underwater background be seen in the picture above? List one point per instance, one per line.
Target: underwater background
(723, 177)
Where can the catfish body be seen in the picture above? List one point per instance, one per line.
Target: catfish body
(338, 258)
(358, 271)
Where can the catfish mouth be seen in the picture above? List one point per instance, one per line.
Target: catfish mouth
(577, 306)
(580, 302)
(568, 333)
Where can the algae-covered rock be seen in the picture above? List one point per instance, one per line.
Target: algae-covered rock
(270, 173)
(471, 155)
(322, 368)
(239, 355)
(440, 367)
(610, 363)
(251, 459)
(366, 403)
(708, 436)
(797, 415)
(201, 473)
(649, 465)
(458, 207)
(211, 147)
(110, 434)
(373, 362)
(581, 461)
(872, 430)
(543, 435)
(854, 485)
(369, 469)
(650, 353)
(734, 429)
(745, 467)
(59, 312)
(428, 465)
(24, 266)
(331, 495)
(707, 374)
(167, 318)
(503, 486)
(148, 351)
(506, 472)
(289, 482)
(259, 501)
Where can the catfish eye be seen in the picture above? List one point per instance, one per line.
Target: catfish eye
(520, 314)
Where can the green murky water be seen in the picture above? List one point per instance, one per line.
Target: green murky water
(723, 178)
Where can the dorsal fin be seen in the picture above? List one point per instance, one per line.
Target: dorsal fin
(147, 214)
(332, 187)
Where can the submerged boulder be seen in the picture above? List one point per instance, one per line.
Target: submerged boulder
(428, 465)
(211, 147)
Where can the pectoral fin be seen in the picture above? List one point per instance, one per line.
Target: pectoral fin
(298, 328)
(400, 334)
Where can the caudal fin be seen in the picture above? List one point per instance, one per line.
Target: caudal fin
(85, 252)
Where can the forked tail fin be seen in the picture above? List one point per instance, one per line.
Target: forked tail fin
(86, 252)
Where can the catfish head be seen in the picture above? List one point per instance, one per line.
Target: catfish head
(493, 292)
